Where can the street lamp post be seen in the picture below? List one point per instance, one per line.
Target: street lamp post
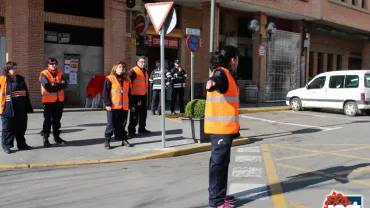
(270, 28)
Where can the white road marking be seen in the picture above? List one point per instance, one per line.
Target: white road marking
(292, 124)
(321, 116)
(242, 172)
(248, 149)
(248, 159)
(250, 191)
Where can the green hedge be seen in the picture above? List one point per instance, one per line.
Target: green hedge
(195, 108)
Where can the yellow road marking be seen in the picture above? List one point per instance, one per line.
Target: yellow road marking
(176, 120)
(318, 144)
(295, 205)
(278, 198)
(320, 152)
(324, 174)
(314, 154)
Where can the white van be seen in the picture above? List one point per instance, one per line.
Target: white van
(348, 90)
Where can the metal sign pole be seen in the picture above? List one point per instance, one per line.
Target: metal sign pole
(163, 90)
(211, 41)
(192, 75)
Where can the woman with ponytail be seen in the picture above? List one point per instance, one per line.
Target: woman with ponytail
(222, 122)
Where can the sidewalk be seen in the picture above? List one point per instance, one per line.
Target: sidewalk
(84, 131)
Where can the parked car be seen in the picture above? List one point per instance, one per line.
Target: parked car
(348, 90)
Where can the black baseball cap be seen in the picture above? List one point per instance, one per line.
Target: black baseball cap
(177, 61)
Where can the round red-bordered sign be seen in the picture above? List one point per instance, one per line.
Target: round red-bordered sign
(192, 43)
(141, 24)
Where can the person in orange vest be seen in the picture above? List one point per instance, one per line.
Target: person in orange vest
(52, 92)
(14, 106)
(116, 99)
(139, 92)
(221, 121)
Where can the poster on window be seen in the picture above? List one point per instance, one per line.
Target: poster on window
(74, 65)
(72, 77)
(67, 69)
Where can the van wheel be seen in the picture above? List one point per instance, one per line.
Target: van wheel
(350, 108)
(296, 104)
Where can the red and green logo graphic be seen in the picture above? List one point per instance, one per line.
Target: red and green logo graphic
(339, 200)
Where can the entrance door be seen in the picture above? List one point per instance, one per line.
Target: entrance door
(71, 73)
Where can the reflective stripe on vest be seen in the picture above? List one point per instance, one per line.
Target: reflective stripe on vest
(51, 97)
(222, 110)
(140, 83)
(119, 94)
(19, 93)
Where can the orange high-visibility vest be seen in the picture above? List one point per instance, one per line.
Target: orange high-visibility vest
(119, 93)
(140, 83)
(222, 110)
(3, 96)
(51, 97)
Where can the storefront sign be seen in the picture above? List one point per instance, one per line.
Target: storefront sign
(141, 24)
(169, 42)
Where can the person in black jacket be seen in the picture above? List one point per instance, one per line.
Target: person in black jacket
(178, 80)
(156, 79)
(14, 106)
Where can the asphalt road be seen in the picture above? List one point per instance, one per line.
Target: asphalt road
(294, 160)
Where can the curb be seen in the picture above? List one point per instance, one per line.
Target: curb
(257, 110)
(167, 154)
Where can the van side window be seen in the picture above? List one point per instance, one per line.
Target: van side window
(367, 80)
(351, 81)
(336, 81)
(318, 83)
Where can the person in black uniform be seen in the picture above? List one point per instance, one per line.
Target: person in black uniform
(52, 91)
(156, 79)
(14, 106)
(178, 80)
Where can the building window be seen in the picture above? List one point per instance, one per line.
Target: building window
(363, 4)
(353, 2)
(320, 63)
(222, 25)
(330, 62)
(94, 9)
(310, 67)
(339, 62)
(243, 27)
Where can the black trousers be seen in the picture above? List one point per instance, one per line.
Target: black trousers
(139, 116)
(53, 113)
(178, 92)
(219, 168)
(13, 127)
(116, 123)
(156, 101)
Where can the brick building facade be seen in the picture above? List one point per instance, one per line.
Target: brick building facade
(321, 23)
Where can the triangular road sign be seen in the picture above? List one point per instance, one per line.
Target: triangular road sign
(158, 13)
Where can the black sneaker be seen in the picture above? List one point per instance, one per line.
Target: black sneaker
(144, 131)
(59, 140)
(24, 147)
(7, 151)
(131, 135)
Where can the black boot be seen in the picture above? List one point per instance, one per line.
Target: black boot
(107, 142)
(46, 140)
(59, 140)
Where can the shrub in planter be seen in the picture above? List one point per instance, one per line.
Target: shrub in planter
(193, 122)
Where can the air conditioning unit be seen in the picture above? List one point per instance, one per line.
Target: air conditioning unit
(135, 5)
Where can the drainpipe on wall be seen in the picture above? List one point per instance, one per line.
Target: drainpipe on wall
(212, 26)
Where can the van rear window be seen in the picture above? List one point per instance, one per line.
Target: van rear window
(367, 80)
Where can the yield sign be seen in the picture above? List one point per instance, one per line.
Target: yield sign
(158, 13)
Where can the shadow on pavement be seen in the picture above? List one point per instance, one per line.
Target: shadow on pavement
(157, 141)
(159, 133)
(299, 182)
(87, 142)
(93, 124)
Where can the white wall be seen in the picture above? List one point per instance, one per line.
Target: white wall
(91, 63)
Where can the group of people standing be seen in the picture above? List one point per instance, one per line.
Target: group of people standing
(15, 105)
(174, 78)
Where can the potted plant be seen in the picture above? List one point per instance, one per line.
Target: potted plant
(193, 122)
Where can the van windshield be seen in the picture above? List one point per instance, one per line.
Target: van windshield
(367, 80)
